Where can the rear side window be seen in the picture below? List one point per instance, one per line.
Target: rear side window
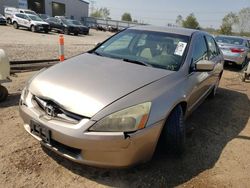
(212, 47)
(19, 15)
(200, 49)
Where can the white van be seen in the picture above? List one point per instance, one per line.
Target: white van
(10, 11)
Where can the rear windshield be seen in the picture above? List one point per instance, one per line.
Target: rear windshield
(229, 40)
(157, 49)
(74, 22)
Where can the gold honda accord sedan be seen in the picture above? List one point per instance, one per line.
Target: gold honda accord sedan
(110, 106)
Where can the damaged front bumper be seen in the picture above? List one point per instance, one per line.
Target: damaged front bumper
(101, 149)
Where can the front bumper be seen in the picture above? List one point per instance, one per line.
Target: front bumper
(101, 149)
(42, 27)
(3, 22)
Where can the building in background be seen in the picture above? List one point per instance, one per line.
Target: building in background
(74, 9)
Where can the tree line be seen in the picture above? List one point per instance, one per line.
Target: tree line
(231, 23)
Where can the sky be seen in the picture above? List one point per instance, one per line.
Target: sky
(209, 13)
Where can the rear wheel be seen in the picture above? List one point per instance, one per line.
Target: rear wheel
(76, 34)
(3, 93)
(15, 25)
(174, 131)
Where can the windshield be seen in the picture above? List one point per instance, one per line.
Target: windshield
(66, 22)
(229, 40)
(156, 49)
(44, 16)
(29, 12)
(35, 18)
(74, 22)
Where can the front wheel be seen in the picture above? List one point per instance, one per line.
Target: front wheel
(174, 131)
(33, 28)
(66, 31)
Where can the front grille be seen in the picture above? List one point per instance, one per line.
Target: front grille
(73, 152)
(58, 112)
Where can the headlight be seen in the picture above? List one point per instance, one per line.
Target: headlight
(24, 94)
(129, 119)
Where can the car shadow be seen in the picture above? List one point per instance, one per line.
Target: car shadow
(215, 123)
(12, 100)
(234, 67)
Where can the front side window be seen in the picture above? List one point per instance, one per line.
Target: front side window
(212, 48)
(200, 49)
(156, 49)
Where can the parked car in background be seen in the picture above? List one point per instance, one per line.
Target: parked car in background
(10, 11)
(109, 107)
(83, 29)
(235, 49)
(2, 20)
(44, 16)
(31, 22)
(62, 26)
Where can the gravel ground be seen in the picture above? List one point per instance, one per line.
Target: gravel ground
(217, 149)
(24, 45)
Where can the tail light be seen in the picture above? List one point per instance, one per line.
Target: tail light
(237, 50)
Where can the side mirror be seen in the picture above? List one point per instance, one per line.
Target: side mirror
(204, 66)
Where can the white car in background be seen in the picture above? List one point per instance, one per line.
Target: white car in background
(31, 22)
(10, 11)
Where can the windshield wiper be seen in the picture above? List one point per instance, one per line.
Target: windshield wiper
(137, 62)
(96, 53)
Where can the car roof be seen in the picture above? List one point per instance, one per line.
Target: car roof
(165, 29)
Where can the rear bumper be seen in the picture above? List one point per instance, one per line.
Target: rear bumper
(102, 149)
(235, 58)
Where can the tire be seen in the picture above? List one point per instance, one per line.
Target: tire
(66, 31)
(243, 64)
(3, 93)
(15, 25)
(46, 31)
(76, 34)
(33, 28)
(174, 131)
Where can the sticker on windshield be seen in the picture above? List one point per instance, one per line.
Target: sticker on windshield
(180, 48)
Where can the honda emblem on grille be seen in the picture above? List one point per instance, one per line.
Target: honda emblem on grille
(50, 110)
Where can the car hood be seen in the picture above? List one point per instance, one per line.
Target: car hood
(40, 22)
(87, 83)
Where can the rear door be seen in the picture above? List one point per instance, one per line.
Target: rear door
(26, 21)
(19, 19)
(216, 57)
